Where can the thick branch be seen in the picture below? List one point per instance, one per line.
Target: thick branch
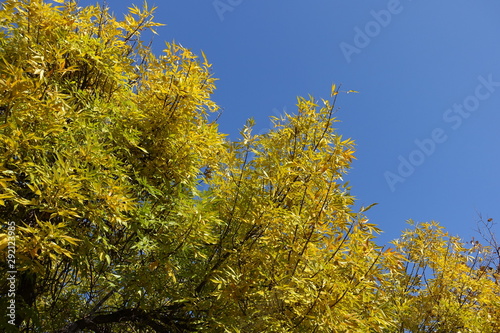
(160, 321)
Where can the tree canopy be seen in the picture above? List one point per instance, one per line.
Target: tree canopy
(128, 210)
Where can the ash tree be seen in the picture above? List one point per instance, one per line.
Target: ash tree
(133, 213)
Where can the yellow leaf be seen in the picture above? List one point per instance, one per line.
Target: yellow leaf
(3, 242)
(334, 90)
(70, 240)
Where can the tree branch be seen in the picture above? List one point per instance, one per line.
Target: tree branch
(161, 320)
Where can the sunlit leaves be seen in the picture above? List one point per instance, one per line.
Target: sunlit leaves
(133, 213)
(442, 286)
(298, 251)
(101, 146)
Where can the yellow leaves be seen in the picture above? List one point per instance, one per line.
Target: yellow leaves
(65, 213)
(45, 240)
(105, 257)
(205, 61)
(393, 260)
(334, 90)
(440, 278)
(171, 273)
(116, 149)
(246, 132)
(134, 10)
(68, 239)
(289, 190)
(134, 25)
(306, 106)
(4, 196)
(34, 188)
(364, 209)
(4, 241)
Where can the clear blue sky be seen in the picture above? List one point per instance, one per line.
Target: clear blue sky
(426, 72)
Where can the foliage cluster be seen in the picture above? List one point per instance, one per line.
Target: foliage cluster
(133, 213)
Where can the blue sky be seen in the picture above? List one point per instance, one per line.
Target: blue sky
(427, 114)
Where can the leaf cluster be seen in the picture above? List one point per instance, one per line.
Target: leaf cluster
(133, 213)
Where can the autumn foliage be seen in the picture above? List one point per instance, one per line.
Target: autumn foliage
(133, 213)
